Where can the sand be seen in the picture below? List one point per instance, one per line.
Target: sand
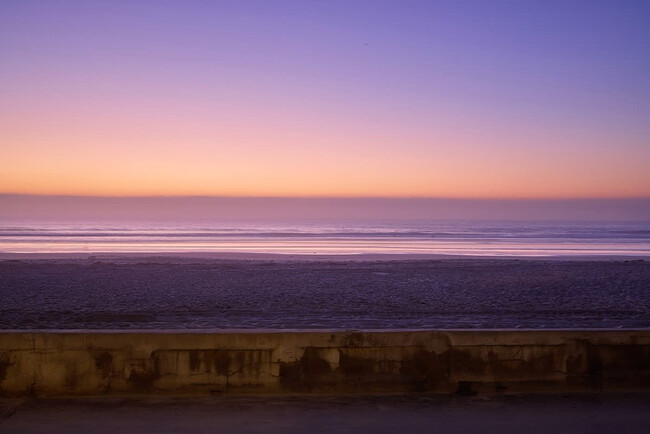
(275, 292)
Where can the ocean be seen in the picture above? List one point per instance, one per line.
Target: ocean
(332, 237)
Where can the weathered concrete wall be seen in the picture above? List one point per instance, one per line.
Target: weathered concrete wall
(90, 363)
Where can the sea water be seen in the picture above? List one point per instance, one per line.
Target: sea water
(332, 237)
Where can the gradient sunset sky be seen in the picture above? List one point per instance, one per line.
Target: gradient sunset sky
(466, 99)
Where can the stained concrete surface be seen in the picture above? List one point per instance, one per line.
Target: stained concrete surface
(575, 414)
(202, 363)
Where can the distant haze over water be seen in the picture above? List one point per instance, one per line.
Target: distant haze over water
(206, 209)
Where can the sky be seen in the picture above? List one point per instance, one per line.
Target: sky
(432, 99)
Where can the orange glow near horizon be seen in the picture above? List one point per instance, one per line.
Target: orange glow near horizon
(140, 157)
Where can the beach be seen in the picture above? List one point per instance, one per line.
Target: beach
(288, 292)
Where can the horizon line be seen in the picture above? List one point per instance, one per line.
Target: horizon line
(324, 197)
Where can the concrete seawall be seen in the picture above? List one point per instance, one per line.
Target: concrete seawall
(111, 362)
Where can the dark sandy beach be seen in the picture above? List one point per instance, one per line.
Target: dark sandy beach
(135, 292)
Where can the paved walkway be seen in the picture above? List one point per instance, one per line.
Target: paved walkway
(575, 414)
